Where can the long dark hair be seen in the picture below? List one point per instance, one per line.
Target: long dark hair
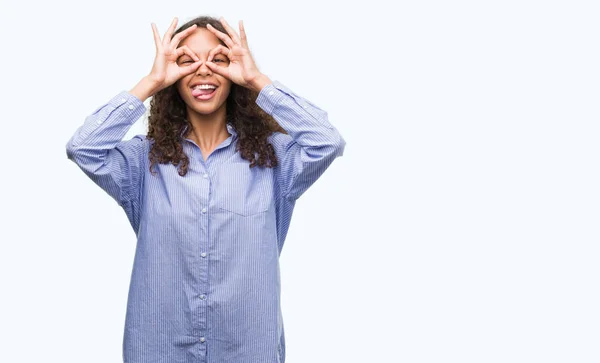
(167, 121)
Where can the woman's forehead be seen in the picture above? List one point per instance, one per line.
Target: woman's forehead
(201, 41)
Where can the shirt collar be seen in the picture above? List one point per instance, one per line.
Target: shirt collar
(231, 130)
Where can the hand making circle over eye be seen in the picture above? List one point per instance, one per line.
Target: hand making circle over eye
(165, 70)
(241, 68)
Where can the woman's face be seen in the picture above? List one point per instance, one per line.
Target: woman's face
(201, 42)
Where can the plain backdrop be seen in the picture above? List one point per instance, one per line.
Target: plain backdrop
(460, 225)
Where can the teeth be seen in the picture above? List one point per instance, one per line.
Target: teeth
(204, 86)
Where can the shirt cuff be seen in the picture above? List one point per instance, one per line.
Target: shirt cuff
(277, 94)
(133, 104)
(271, 95)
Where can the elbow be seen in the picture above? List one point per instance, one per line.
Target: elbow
(83, 156)
(72, 150)
(338, 144)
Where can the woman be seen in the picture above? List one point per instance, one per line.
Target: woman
(209, 192)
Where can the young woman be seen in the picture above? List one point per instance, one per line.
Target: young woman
(209, 192)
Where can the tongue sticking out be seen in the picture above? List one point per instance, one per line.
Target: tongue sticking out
(199, 92)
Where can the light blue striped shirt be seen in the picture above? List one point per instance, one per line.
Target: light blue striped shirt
(205, 284)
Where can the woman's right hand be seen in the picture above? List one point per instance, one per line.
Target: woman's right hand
(165, 70)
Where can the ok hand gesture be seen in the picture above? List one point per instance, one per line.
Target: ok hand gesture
(165, 70)
(241, 69)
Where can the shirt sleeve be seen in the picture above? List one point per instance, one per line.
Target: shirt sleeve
(312, 142)
(97, 148)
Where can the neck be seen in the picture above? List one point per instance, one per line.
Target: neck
(207, 131)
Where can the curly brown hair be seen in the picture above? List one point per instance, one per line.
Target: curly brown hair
(167, 121)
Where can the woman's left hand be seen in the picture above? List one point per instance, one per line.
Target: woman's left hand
(241, 69)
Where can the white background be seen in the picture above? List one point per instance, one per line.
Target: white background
(460, 225)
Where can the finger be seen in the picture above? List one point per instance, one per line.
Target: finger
(189, 68)
(221, 36)
(231, 31)
(185, 70)
(184, 49)
(223, 71)
(219, 49)
(156, 36)
(243, 35)
(179, 36)
(169, 33)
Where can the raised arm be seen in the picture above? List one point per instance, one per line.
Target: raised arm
(312, 142)
(97, 147)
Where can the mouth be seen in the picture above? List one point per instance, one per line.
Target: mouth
(204, 92)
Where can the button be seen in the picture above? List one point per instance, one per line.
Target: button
(123, 99)
(203, 210)
(271, 92)
(202, 339)
(205, 175)
(99, 122)
(131, 107)
(203, 254)
(202, 297)
(305, 106)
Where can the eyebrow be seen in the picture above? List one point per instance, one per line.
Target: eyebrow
(185, 55)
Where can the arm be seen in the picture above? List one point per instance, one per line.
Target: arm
(312, 142)
(96, 147)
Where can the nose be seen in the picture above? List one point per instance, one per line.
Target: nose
(203, 69)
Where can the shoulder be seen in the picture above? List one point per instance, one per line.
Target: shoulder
(138, 145)
(141, 140)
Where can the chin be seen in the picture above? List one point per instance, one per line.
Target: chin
(204, 107)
